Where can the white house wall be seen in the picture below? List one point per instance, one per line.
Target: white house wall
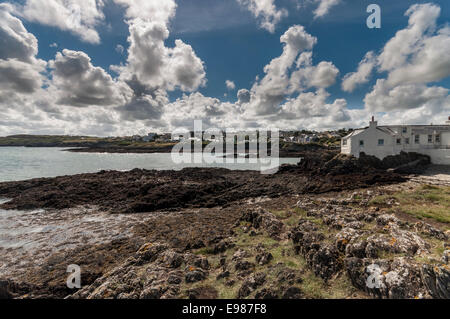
(439, 152)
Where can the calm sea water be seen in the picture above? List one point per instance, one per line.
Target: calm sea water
(20, 163)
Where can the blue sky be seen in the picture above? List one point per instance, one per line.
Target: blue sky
(229, 40)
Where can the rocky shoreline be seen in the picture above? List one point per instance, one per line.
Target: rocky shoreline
(309, 231)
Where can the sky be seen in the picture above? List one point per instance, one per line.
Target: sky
(125, 67)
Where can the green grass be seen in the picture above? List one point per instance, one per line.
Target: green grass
(431, 202)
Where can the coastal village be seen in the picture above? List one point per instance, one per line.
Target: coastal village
(361, 204)
(298, 137)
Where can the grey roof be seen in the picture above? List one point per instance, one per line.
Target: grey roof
(387, 130)
(355, 132)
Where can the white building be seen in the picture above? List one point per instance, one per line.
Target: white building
(382, 141)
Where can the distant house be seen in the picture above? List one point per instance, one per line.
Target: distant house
(382, 141)
(164, 138)
(151, 137)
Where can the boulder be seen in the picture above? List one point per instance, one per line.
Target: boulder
(437, 281)
(260, 218)
(195, 276)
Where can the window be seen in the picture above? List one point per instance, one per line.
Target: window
(430, 138)
(407, 140)
(361, 143)
(417, 139)
(405, 130)
(380, 142)
(438, 138)
(344, 142)
(399, 141)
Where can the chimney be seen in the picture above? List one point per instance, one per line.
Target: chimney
(373, 123)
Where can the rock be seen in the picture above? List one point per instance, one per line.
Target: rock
(386, 219)
(437, 281)
(344, 237)
(223, 246)
(289, 276)
(403, 281)
(152, 293)
(195, 276)
(398, 241)
(240, 254)
(266, 294)
(250, 284)
(202, 262)
(326, 262)
(446, 257)
(292, 293)
(223, 261)
(356, 248)
(397, 279)
(263, 258)
(305, 204)
(243, 265)
(260, 218)
(222, 275)
(172, 259)
(196, 244)
(4, 290)
(174, 280)
(429, 230)
(150, 251)
(244, 291)
(203, 293)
